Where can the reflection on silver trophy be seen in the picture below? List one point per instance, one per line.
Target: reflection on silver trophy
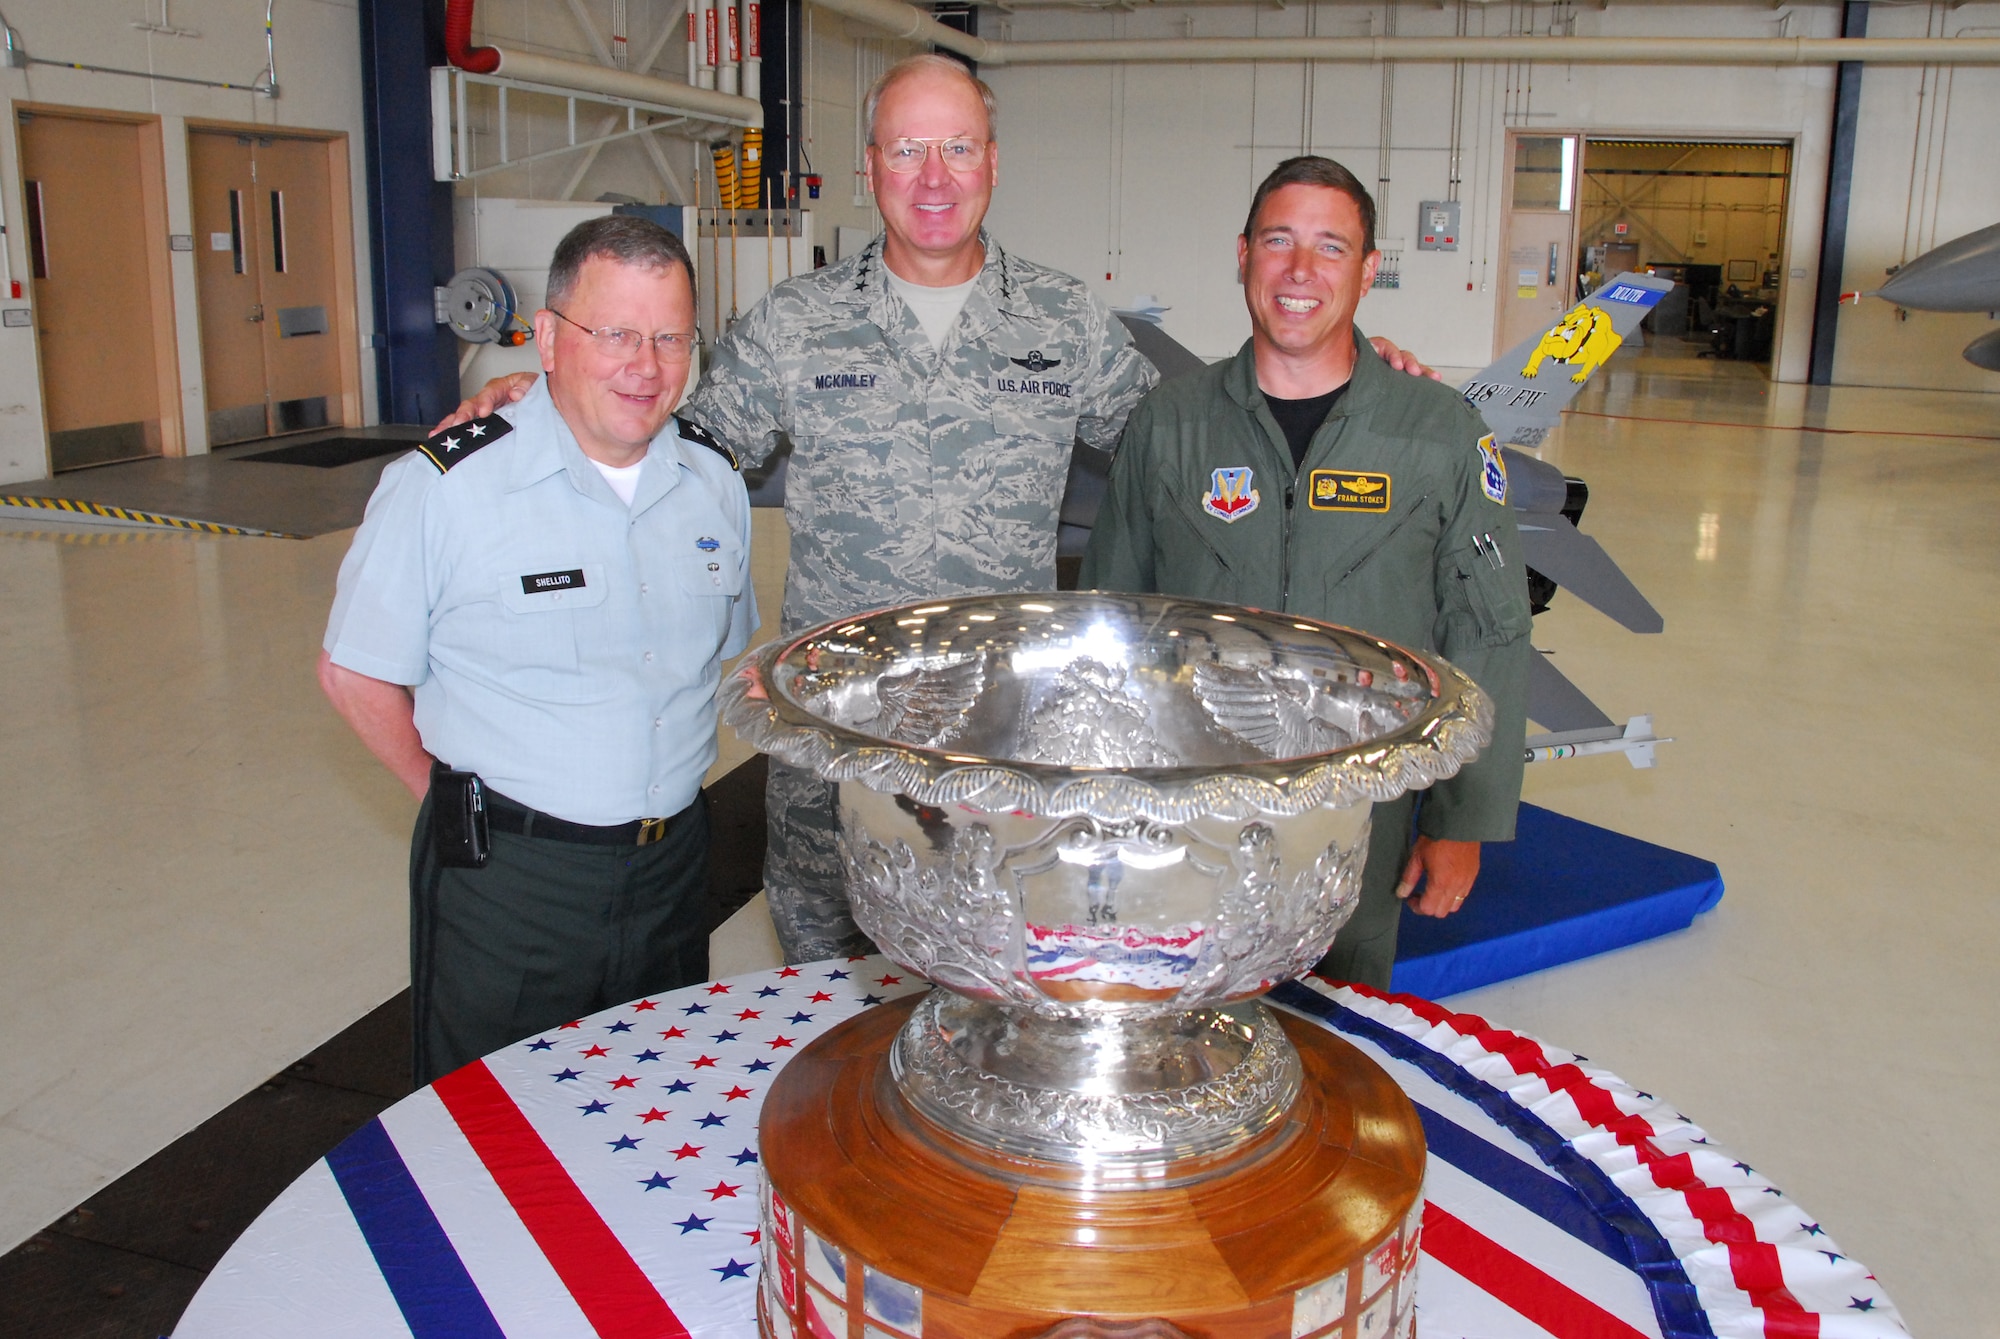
(1104, 824)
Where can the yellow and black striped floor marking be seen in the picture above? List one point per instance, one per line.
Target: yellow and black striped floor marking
(105, 509)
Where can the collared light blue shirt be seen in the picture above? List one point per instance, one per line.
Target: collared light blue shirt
(562, 645)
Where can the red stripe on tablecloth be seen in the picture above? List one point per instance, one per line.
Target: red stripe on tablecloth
(1754, 1266)
(1512, 1281)
(614, 1293)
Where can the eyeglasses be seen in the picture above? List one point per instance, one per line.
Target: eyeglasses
(960, 154)
(671, 348)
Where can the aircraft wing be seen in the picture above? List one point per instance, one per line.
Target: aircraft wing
(1556, 704)
(1162, 350)
(1579, 564)
(1523, 393)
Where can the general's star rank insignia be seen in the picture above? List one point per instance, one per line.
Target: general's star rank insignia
(446, 449)
(1035, 362)
(1231, 495)
(691, 431)
(1492, 470)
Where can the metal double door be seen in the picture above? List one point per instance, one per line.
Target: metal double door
(265, 273)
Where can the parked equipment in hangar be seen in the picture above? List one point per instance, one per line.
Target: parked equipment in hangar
(1963, 275)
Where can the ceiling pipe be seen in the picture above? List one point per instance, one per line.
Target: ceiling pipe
(1541, 50)
(581, 77)
(911, 24)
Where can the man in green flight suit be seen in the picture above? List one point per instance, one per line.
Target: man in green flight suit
(1304, 475)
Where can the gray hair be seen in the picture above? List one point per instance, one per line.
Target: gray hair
(930, 61)
(625, 238)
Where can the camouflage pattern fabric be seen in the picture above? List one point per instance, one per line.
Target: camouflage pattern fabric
(803, 879)
(919, 472)
(916, 472)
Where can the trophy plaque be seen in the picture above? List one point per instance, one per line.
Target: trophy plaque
(1101, 826)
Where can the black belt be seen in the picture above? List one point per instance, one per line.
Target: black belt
(503, 815)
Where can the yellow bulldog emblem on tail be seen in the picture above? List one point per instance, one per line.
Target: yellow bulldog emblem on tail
(1583, 340)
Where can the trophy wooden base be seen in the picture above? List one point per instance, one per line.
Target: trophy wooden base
(879, 1225)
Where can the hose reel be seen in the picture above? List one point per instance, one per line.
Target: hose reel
(480, 308)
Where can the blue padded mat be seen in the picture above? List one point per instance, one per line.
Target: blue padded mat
(1561, 890)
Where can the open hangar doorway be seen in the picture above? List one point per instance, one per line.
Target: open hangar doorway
(1707, 213)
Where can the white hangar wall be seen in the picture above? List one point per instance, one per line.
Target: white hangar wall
(840, 59)
(1143, 172)
(319, 72)
(1924, 173)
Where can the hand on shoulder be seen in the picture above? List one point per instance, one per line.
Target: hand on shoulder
(490, 397)
(1403, 360)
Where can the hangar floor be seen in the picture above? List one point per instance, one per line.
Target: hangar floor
(204, 870)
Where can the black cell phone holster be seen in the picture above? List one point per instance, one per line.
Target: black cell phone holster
(458, 818)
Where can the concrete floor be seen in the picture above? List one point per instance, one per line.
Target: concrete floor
(203, 878)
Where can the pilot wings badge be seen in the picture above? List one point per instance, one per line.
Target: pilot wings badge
(1231, 494)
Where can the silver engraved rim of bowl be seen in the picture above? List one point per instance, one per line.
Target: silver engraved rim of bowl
(888, 699)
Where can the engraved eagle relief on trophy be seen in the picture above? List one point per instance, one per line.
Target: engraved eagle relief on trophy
(1289, 714)
(924, 704)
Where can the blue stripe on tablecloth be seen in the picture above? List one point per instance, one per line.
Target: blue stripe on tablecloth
(438, 1298)
(1547, 1197)
(1675, 1302)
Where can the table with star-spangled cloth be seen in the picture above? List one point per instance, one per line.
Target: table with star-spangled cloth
(601, 1179)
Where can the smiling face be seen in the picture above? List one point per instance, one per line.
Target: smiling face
(616, 403)
(932, 215)
(1304, 270)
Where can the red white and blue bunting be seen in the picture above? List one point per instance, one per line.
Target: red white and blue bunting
(1722, 1251)
(602, 1179)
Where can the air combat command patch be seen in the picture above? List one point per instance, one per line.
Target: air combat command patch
(1230, 494)
(1492, 470)
(1348, 490)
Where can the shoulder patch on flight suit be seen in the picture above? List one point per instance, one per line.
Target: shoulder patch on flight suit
(1492, 470)
(693, 432)
(447, 448)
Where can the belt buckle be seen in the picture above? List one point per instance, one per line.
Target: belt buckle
(651, 830)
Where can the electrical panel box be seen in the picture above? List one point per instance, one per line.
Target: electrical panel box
(1437, 225)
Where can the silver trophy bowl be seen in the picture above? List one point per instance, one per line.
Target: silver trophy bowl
(1103, 824)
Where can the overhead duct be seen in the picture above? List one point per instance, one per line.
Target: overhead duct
(911, 24)
(586, 78)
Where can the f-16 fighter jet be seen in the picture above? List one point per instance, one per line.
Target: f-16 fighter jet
(1963, 275)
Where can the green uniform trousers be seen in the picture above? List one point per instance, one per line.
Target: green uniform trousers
(1365, 949)
(805, 881)
(548, 931)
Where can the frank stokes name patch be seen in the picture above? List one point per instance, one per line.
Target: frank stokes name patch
(1348, 490)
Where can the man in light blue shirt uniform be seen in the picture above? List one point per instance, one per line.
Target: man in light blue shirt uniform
(542, 600)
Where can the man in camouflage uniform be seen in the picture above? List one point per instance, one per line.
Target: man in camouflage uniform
(921, 465)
